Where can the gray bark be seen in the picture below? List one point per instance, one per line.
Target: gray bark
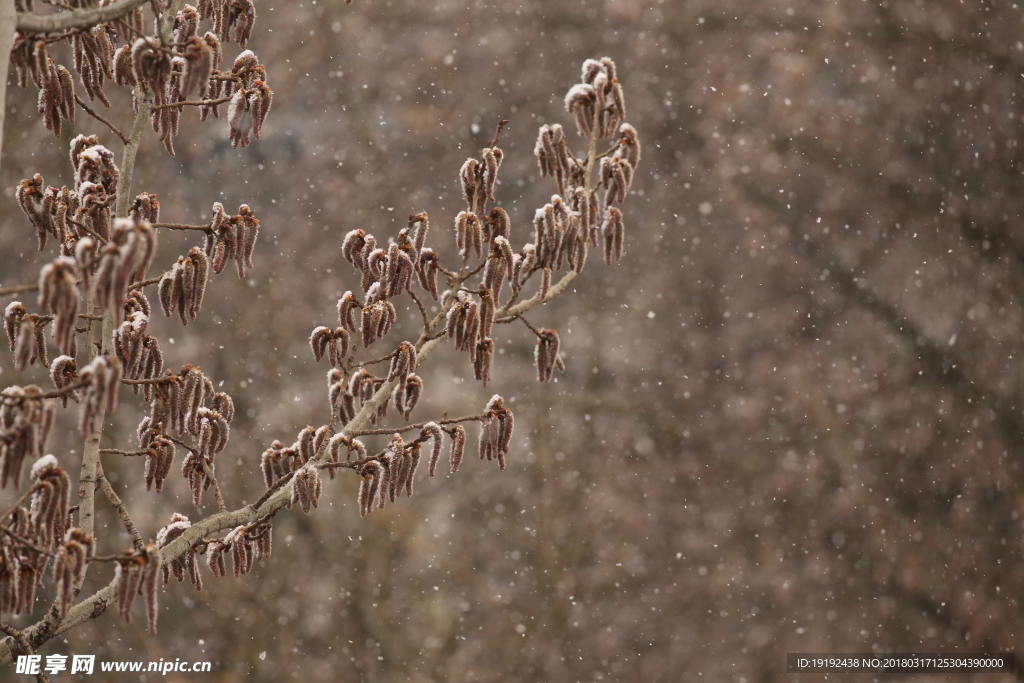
(7, 16)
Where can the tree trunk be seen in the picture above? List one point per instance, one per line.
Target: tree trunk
(7, 16)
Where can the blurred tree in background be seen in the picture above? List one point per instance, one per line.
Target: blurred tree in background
(801, 427)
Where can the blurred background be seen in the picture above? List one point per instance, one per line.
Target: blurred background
(791, 417)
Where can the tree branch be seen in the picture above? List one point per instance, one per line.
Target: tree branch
(31, 24)
(23, 541)
(194, 103)
(418, 425)
(18, 289)
(182, 226)
(95, 115)
(122, 511)
(7, 15)
(49, 394)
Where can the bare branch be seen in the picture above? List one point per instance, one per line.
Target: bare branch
(193, 103)
(18, 289)
(24, 541)
(423, 310)
(31, 24)
(21, 500)
(208, 471)
(19, 637)
(57, 393)
(418, 425)
(122, 511)
(89, 110)
(182, 226)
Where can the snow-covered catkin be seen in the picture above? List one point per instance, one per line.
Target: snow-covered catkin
(546, 354)
(242, 552)
(13, 315)
(491, 162)
(407, 398)
(419, 225)
(613, 232)
(412, 455)
(49, 505)
(334, 447)
(370, 480)
(403, 364)
(318, 341)
(306, 488)
(58, 293)
(264, 540)
(275, 463)
(159, 459)
(348, 306)
(432, 430)
(150, 584)
(468, 175)
(184, 563)
(138, 572)
(458, 449)
(428, 269)
(127, 577)
(63, 372)
(69, 566)
(483, 360)
(199, 59)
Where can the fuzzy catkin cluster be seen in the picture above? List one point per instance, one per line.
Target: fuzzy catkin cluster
(138, 573)
(25, 424)
(49, 507)
(139, 352)
(171, 69)
(179, 404)
(247, 544)
(186, 562)
(39, 532)
(109, 257)
(69, 566)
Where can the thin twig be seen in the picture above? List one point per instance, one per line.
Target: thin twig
(111, 558)
(183, 226)
(92, 233)
(33, 24)
(89, 110)
(195, 103)
(145, 283)
(24, 541)
(536, 299)
(473, 272)
(513, 318)
(21, 500)
(270, 491)
(377, 360)
(452, 275)
(18, 289)
(418, 425)
(20, 639)
(208, 471)
(152, 380)
(423, 311)
(122, 511)
(181, 443)
(57, 393)
(497, 133)
(118, 451)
